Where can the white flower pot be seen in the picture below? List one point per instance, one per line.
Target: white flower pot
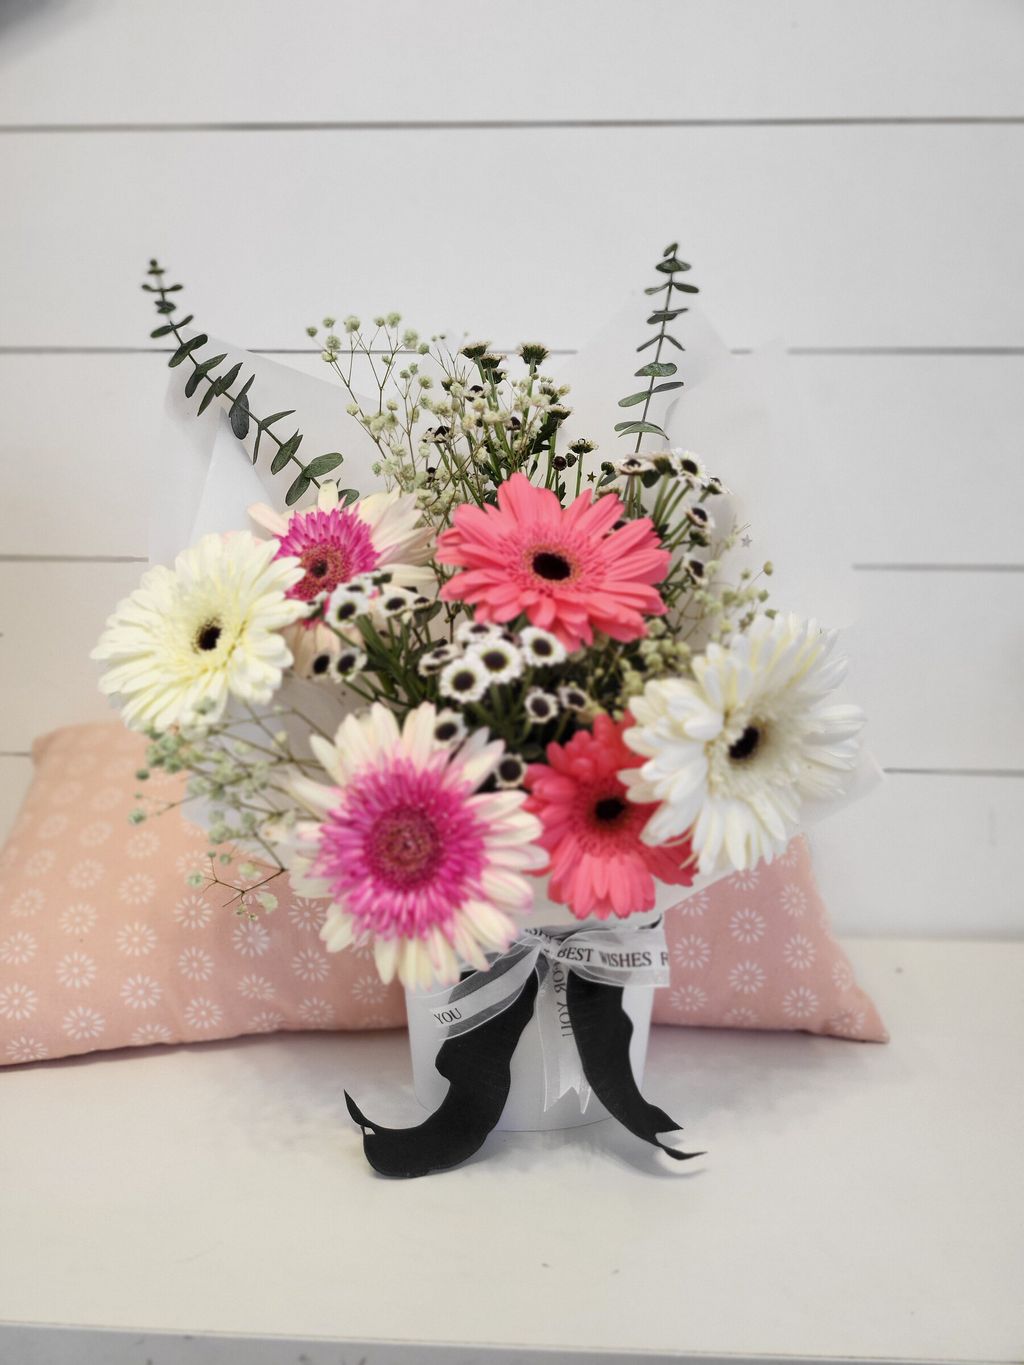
(525, 1108)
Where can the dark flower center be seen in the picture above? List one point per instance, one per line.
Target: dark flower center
(207, 636)
(746, 745)
(554, 567)
(319, 568)
(609, 808)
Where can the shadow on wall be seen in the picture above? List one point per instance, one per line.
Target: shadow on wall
(26, 23)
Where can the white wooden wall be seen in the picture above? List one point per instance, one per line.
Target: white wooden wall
(846, 174)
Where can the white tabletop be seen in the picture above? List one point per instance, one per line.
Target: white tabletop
(857, 1201)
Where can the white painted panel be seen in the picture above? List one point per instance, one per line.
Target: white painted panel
(928, 453)
(926, 856)
(925, 452)
(823, 236)
(145, 61)
(15, 776)
(51, 615)
(936, 662)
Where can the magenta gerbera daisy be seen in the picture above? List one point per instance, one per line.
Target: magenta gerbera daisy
(415, 860)
(599, 864)
(334, 543)
(565, 568)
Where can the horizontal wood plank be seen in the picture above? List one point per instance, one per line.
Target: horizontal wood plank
(926, 855)
(860, 236)
(144, 61)
(922, 452)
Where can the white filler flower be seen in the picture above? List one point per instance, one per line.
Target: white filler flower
(190, 636)
(733, 753)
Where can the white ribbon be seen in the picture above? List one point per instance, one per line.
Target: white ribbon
(614, 957)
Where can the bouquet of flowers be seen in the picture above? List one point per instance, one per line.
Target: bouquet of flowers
(516, 673)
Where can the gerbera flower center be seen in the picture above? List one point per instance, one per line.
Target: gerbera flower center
(551, 565)
(747, 744)
(207, 636)
(405, 847)
(609, 809)
(331, 546)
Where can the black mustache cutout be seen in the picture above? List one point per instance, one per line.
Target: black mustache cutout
(477, 1066)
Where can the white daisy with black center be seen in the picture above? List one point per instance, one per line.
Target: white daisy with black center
(394, 601)
(510, 772)
(633, 464)
(475, 632)
(449, 727)
(464, 679)
(502, 661)
(540, 647)
(540, 706)
(573, 698)
(348, 601)
(436, 658)
(350, 660)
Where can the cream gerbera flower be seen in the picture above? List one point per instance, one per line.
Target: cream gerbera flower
(416, 860)
(191, 636)
(732, 753)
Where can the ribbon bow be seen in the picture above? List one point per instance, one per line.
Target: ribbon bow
(574, 981)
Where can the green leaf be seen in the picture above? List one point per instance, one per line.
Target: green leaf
(276, 417)
(685, 288)
(664, 388)
(633, 399)
(671, 265)
(658, 288)
(665, 315)
(211, 393)
(161, 331)
(671, 249)
(657, 369)
(644, 344)
(186, 348)
(348, 496)
(200, 372)
(678, 345)
(296, 491)
(238, 414)
(226, 380)
(323, 464)
(630, 427)
(286, 452)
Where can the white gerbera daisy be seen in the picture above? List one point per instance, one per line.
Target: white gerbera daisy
(415, 859)
(191, 636)
(733, 753)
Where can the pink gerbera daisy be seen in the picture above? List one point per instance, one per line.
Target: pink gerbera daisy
(565, 567)
(413, 857)
(598, 862)
(334, 544)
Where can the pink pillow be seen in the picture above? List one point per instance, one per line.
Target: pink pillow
(755, 950)
(103, 945)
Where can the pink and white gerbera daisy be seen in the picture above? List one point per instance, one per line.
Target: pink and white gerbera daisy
(564, 567)
(334, 544)
(599, 862)
(415, 860)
